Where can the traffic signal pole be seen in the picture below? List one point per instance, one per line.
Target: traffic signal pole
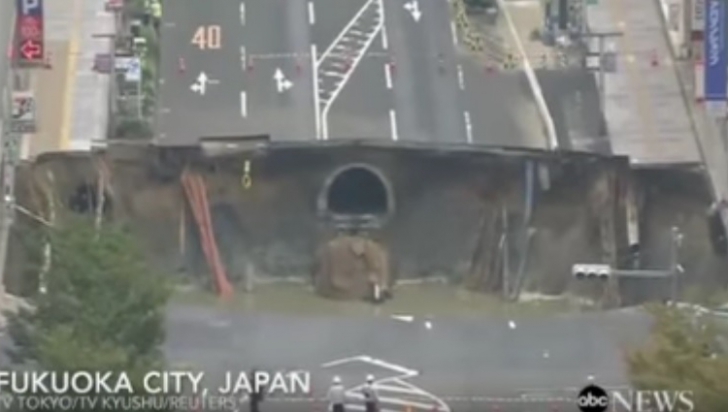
(604, 272)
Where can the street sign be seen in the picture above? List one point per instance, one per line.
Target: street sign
(23, 118)
(130, 66)
(29, 33)
(716, 55)
(102, 63)
(134, 70)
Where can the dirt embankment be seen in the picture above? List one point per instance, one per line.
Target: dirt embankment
(430, 208)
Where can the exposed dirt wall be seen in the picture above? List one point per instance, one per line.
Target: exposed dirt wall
(277, 224)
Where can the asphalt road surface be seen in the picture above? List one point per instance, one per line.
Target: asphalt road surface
(459, 364)
(328, 69)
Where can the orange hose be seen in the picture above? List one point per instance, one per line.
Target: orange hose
(194, 190)
(225, 289)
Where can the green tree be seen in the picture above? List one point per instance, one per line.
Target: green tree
(102, 310)
(684, 352)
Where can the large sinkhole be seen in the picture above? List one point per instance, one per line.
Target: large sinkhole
(358, 190)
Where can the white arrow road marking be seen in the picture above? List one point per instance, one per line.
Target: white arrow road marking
(388, 75)
(337, 362)
(393, 124)
(461, 78)
(468, 126)
(414, 8)
(282, 84)
(394, 385)
(242, 14)
(311, 14)
(244, 104)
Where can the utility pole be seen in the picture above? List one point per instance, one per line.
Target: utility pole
(9, 141)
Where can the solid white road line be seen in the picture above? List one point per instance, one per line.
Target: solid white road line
(454, 33)
(388, 75)
(316, 102)
(242, 13)
(468, 126)
(461, 78)
(244, 104)
(393, 124)
(311, 14)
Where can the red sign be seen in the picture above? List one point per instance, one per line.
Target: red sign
(114, 5)
(29, 34)
(31, 50)
(31, 28)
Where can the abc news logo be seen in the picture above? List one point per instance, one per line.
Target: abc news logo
(595, 399)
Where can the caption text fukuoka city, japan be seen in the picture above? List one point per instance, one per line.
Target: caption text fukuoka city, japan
(170, 390)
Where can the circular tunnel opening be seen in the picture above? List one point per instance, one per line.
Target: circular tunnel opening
(358, 190)
(84, 199)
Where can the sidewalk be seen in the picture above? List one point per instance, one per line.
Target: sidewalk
(711, 136)
(71, 98)
(645, 112)
(711, 133)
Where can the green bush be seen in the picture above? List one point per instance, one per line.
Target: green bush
(103, 309)
(685, 352)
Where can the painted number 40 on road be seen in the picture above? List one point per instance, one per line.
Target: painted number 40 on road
(208, 37)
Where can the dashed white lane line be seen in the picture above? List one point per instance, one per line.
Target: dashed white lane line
(461, 78)
(244, 104)
(385, 40)
(311, 14)
(454, 33)
(242, 13)
(388, 75)
(243, 58)
(468, 126)
(393, 124)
